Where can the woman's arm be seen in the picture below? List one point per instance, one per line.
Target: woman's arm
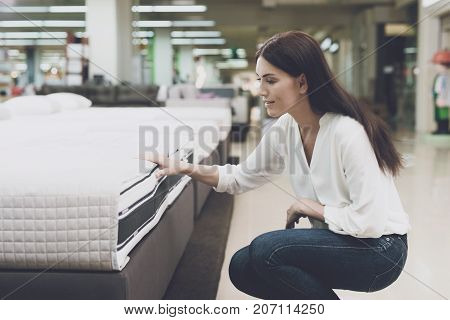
(263, 163)
(304, 208)
(203, 173)
(366, 214)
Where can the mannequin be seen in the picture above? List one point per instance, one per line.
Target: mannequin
(441, 91)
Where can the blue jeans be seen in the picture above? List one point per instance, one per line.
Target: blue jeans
(309, 263)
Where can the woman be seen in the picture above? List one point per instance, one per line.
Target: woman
(341, 163)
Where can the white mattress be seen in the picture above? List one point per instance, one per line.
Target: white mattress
(222, 116)
(205, 103)
(63, 177)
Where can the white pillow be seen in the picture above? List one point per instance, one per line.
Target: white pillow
(69, 101)
(5, 114)
(31, 106)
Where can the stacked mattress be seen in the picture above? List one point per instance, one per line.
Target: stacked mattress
(74, 193)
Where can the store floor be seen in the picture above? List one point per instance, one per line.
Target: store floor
(424, 187)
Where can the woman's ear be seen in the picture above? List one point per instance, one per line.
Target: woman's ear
(303, 84)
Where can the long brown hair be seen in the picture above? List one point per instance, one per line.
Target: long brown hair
(297, 53)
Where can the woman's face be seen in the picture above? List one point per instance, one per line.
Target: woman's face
(280, 91)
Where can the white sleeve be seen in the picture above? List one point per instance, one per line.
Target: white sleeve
(366, 215)
(266, 161)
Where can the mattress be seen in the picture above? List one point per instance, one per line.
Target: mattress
(146, 275)
(206, 103)
(221, 116)
(201, 190)
(182, 116)
(74, 195)
(210, 127)
(138, 218)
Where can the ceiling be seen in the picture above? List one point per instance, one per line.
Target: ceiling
(243, 23)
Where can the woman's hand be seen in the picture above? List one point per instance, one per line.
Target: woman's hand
(294, 213)
(167, 166)
(172, 166)
(302, 209)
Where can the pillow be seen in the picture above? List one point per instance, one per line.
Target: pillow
(69, 101)
(31, 106)
(4, 112)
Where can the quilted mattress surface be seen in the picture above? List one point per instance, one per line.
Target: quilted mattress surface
(70, 183)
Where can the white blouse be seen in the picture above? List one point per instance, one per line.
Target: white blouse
(359, 199)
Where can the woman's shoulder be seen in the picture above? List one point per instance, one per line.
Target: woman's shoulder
(344, 130)
(345, 127)
(283, 122)
(285, 119)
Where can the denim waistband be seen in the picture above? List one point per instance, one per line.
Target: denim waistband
(402, 237)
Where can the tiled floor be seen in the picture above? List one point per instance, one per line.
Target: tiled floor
(424, 187)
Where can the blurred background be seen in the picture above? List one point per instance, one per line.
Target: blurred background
(380, 50)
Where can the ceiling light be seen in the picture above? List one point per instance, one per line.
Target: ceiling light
(32, 35)
(168, 24)
(334, 47)
(64, 23)
(326, 43)
(51, 9)
(152, 24)
(233, 64)
(27, 42)
(207, 52)
(143, 34)
(195, 34)
(187, 41)
(211, 52)
(67, 9)
(42, 23)
(8, 9)
(215, 52)
(168, 8)
(194, 23)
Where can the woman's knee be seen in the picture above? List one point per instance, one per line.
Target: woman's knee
(238, 265)
(260, 252)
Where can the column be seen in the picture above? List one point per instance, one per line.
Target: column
(186, 64)
(162, 57)
(31, 63)
(364, 44)
(125, 42)
(108, 27)
(428, 44)
(38, 74)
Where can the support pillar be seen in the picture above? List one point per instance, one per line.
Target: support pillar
(163, 57)
(108, 26)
